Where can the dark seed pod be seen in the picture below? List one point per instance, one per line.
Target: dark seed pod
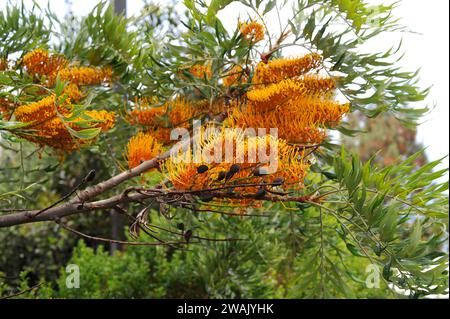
(90, 177)
(221, 176)
(187, 235)
(235, 168)
(206, 198)
(260, 193)
(278, 181)
(228, 176)
(180, 226)
(202, 169)
(260, 172)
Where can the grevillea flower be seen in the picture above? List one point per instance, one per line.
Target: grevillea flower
(285, 68)
(252, 31)
(146, 112)
(141, 148)
(54, 132)
(73, 92)
(179, 111)
(86, 75)
(235, 76)
(162, 118)
(46, 118)
(40, 63)
(275, 94)
(244, 153)
(301, 120)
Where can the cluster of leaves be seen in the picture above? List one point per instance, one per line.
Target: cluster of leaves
(22, 30)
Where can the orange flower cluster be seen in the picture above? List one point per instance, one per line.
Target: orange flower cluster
(252, 31)
(86, 75)
(298, 104)
(45, 66)
(276, 94)
(162, 118)
(282, 69)
(54, 121)
(47, 118)
(302, 120)
(142, 147)
(245, 165)
(40, 63)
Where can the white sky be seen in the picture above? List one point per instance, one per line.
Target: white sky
(429, 50)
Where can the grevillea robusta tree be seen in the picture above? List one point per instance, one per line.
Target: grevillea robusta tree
(146, 109)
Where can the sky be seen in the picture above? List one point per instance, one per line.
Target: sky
(427, 48)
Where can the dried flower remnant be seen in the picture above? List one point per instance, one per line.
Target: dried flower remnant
(6, 107)
(142, 147)
(252, 31)
(3, 64)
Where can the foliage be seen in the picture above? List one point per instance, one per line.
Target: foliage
(170, 69)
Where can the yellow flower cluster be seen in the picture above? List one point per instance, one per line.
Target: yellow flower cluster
(302, 120)
(285, 96)
(86, 75)
(45, 67)
(160, 118)
(49, 117)
(275, 94)
(40, 63)
(142, 147)
(244, 168)
(281, 69)
(46, 119)
(252, 31)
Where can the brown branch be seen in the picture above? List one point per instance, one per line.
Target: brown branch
(71, 207)
(23, 291)
(112, 241)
